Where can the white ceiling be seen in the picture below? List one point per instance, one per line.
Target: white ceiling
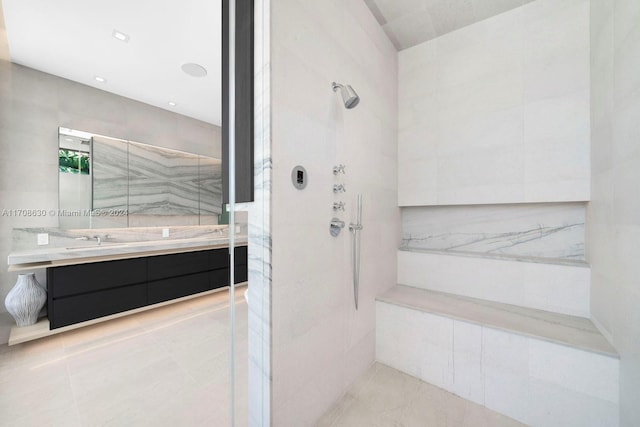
(73, 39)
(411, 22)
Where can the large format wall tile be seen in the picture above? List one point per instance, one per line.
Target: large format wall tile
(498, 112)
(538, 382)
(320, 343)
(558, 288)
(613, 224)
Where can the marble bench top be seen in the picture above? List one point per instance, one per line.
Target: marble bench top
(48, 257)
(562, 329)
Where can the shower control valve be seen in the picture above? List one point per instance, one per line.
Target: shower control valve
(339, 188)
(338, 206)
(336, 226)
(339, 169)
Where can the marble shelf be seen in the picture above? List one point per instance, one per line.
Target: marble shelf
(505, 257)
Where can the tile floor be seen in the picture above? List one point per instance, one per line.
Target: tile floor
(164, 367)
(170, 366)
(385, 397)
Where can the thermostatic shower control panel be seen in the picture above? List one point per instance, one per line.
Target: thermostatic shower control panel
(299, 177)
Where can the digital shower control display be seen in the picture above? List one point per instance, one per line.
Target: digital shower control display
(299, 177)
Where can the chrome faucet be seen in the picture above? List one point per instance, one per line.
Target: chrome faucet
(98, 239)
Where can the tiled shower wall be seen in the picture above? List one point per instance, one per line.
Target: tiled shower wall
(32, 107)
(321, 344)
(613, 220)
(498, 112)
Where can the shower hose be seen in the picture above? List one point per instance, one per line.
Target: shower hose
(355, 230)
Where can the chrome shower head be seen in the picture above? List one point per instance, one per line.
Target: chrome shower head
(349, 96)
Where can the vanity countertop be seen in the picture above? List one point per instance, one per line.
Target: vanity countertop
(56, 256)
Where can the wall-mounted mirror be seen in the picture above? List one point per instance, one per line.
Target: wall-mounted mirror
(107, 182)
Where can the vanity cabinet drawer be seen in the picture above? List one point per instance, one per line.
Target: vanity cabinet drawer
(164, 266)
(241, 255)
(219, 278)
(83, 278)
(240, 273)
(80, 308)
(83, 292)
(177, 287)
(218, 258)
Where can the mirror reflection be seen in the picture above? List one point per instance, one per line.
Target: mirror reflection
(109, 182)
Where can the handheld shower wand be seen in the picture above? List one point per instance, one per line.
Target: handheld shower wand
(355, 230)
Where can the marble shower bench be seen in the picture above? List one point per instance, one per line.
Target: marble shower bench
(91, 284)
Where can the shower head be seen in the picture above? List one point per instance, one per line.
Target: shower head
(349, 96)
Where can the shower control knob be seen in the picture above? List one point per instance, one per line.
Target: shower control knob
(339, 188)
(336, 226)
(338, 206)
(338, 169)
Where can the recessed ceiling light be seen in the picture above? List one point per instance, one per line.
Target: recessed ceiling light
(120, 36)
(100, 79)
(173, 104)
(194, 70)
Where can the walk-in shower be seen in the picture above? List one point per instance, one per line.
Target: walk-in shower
(349, 96)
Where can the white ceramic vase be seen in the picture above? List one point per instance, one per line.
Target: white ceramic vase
(25, 300)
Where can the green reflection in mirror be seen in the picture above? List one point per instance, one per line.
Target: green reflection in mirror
(73, 161)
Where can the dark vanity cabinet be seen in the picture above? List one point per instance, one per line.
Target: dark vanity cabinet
(77, 293)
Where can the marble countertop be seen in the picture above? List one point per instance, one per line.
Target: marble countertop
(39, 258)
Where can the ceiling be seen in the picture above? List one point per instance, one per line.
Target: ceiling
(74, 39)
(411, 22)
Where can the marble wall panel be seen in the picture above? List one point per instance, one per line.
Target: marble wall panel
(110, 174)
(162, 182)
(551, 230)
(210, 185)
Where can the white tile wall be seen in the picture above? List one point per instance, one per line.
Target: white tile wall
(320, 343)
(613, 224)
(533, 381)
(467, 360)
(498, 112)
(559, 288)
(548, 363)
